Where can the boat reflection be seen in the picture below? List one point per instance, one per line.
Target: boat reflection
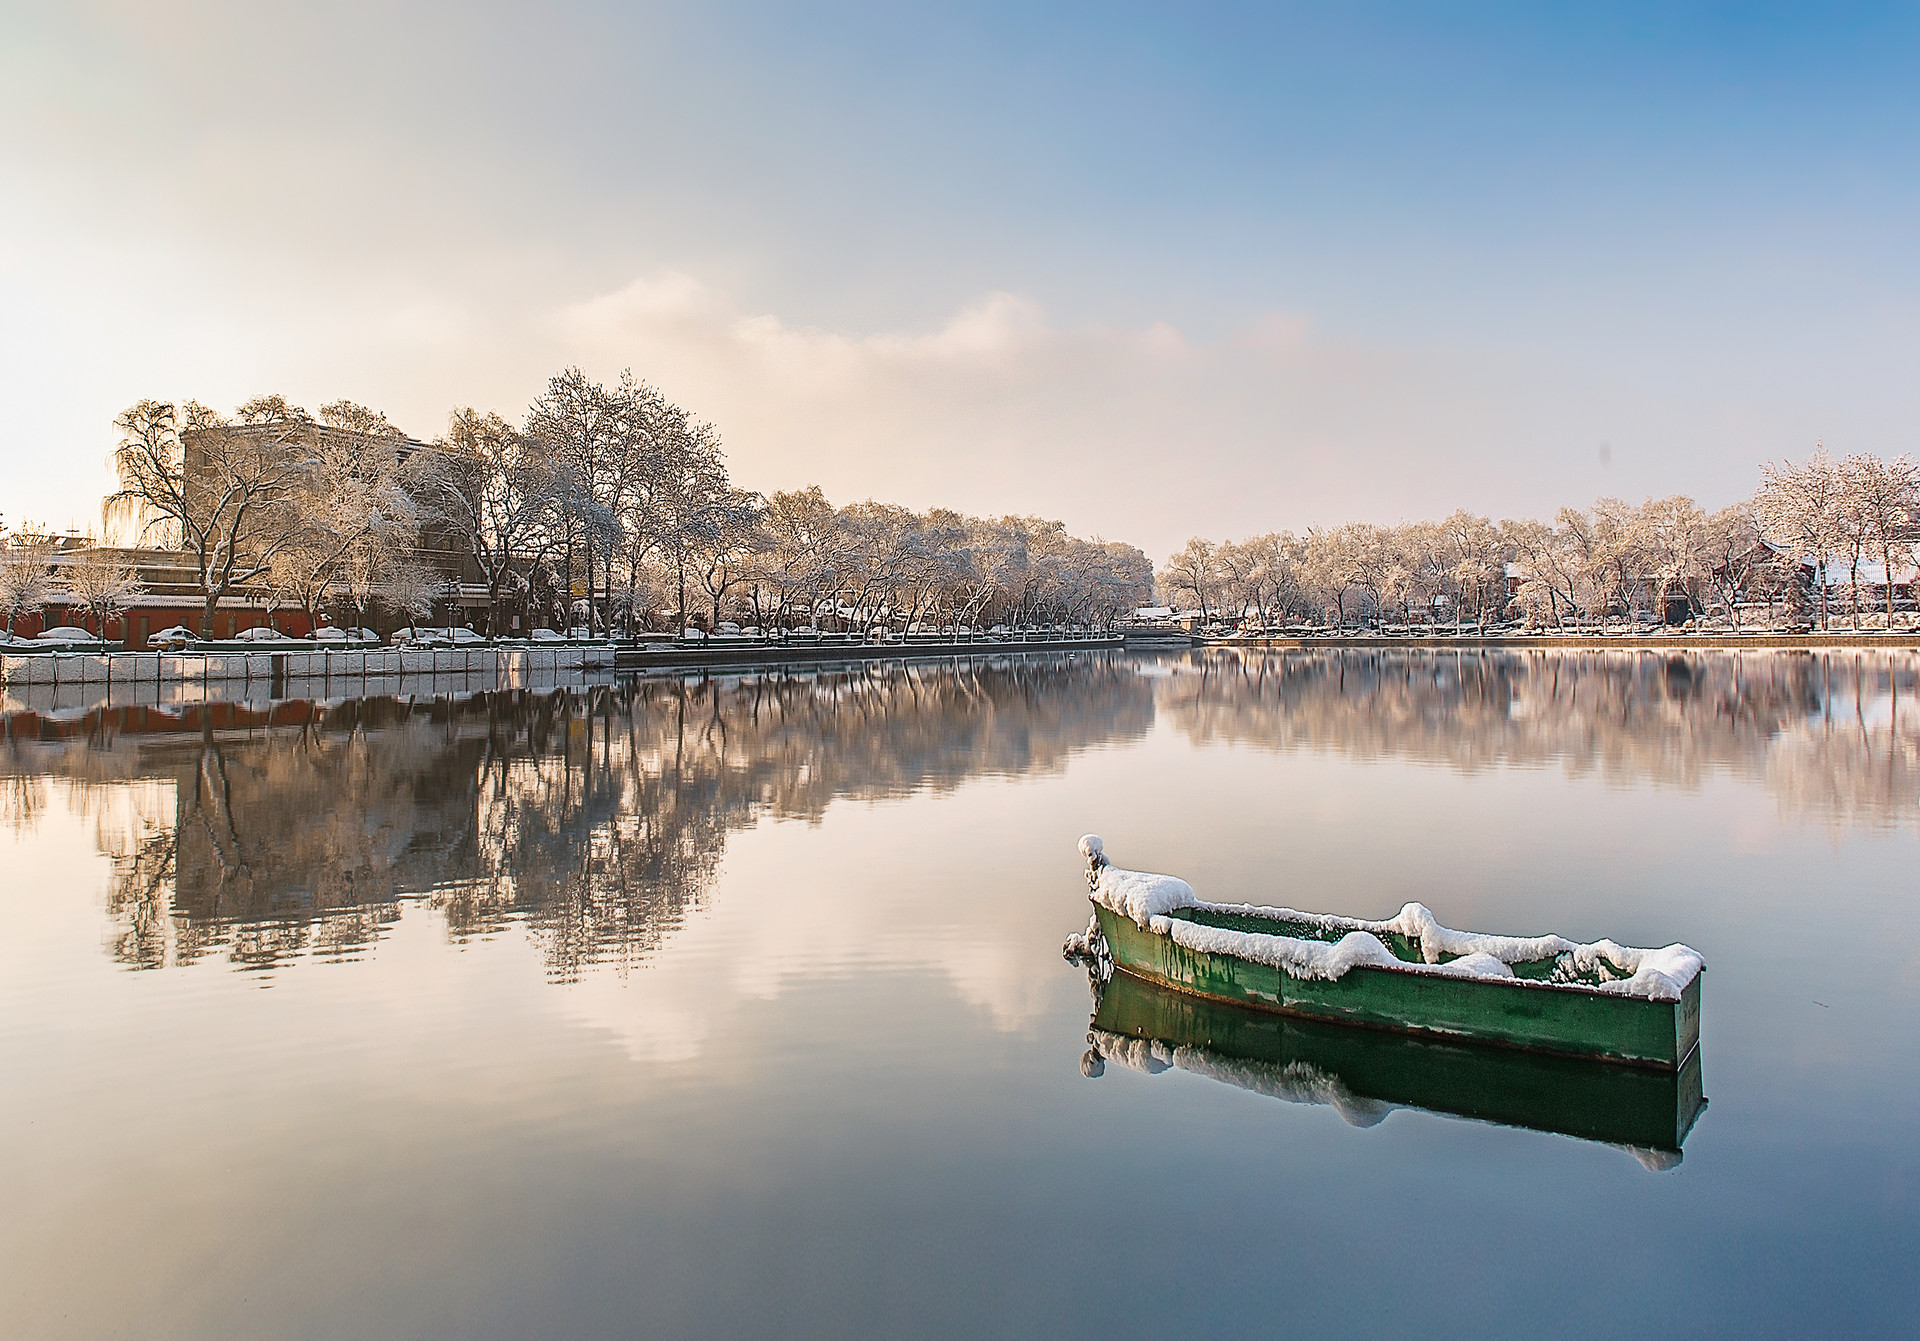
(1364, 1074)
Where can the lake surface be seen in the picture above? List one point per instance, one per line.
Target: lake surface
(735, 1006)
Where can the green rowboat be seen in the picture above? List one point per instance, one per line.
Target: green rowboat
(1409, 974)
(1364, 1074)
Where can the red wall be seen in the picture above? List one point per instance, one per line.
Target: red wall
(128, 628)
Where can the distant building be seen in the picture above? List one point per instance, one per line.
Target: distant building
(438, 549)
(169, 596)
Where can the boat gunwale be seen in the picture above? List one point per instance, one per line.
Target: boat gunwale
(1408, 1027)
(1456, 1036)
(1418, 968)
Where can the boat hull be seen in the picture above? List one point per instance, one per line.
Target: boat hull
(1567, 1021)
(1622, 1105)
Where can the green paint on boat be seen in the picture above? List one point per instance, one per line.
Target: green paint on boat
(1650, 1109)
(1533, 1014)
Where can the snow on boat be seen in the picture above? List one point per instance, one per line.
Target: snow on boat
(1543, 993)
(1365, 1074)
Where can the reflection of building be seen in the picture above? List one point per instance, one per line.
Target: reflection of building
(594, 818)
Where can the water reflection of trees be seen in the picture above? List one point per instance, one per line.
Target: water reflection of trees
(595, 818)
(1835, 734)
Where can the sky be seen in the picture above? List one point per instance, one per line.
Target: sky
(1155, 270)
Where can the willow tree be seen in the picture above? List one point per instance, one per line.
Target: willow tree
(26, 574)
(228, 492)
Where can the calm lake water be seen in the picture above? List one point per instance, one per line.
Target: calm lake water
(735, 1006)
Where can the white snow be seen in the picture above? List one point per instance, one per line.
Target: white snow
(1300, 958)
(1652, 1160)
(1136, 894)
(1476, 965)
(1296, 1082)
(1148, 899)
(1416, 923)
(1662, 974)
(1087, 943)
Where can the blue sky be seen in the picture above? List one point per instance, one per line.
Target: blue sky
(1153, 269)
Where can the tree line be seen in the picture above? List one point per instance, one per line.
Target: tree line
(1815, 536)
(606, 505)
(36, 571)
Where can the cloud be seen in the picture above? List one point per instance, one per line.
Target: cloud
(787, 915)
(1144, 433)
(1137, 433)
(676, 319)
(419, 208)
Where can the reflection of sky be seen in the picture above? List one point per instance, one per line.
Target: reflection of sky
(1871, 709)
(843, 1099)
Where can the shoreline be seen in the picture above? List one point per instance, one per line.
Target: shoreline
(1839, 640)
(138, 683)
(812, 654)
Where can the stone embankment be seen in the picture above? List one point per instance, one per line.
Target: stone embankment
(508, 665)
(179, 677)
(730, 655)
(1898, 641)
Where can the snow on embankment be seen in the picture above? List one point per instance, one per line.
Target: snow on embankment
(1618, 970)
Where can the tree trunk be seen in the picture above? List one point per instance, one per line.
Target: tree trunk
(606, 585)
(586, 542)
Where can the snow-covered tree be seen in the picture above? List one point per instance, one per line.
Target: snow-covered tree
(356, 509)
(26, 574)
(1194, 574)
(229, 491)
(101, 582)
(1801, 508)
(1882, 504)
(500, 494)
